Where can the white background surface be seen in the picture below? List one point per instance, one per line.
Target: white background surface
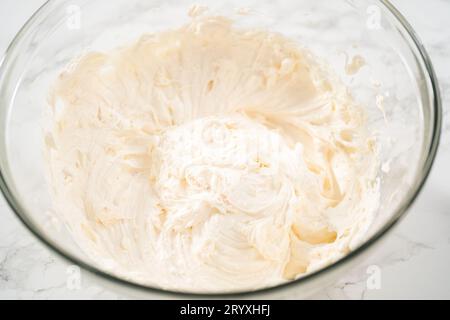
(414, 260)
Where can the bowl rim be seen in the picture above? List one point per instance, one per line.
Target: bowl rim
(399, 214)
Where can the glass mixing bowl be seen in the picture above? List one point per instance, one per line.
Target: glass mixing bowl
(397, 86)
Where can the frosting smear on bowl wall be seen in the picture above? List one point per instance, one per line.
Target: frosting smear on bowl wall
(210, 159)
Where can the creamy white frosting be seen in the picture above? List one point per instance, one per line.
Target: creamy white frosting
(210, 158)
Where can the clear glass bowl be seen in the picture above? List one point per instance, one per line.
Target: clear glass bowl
(397, 87)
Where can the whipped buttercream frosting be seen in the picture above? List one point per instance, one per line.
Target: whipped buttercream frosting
(210, 159)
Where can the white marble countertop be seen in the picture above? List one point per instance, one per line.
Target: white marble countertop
(413, 261)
